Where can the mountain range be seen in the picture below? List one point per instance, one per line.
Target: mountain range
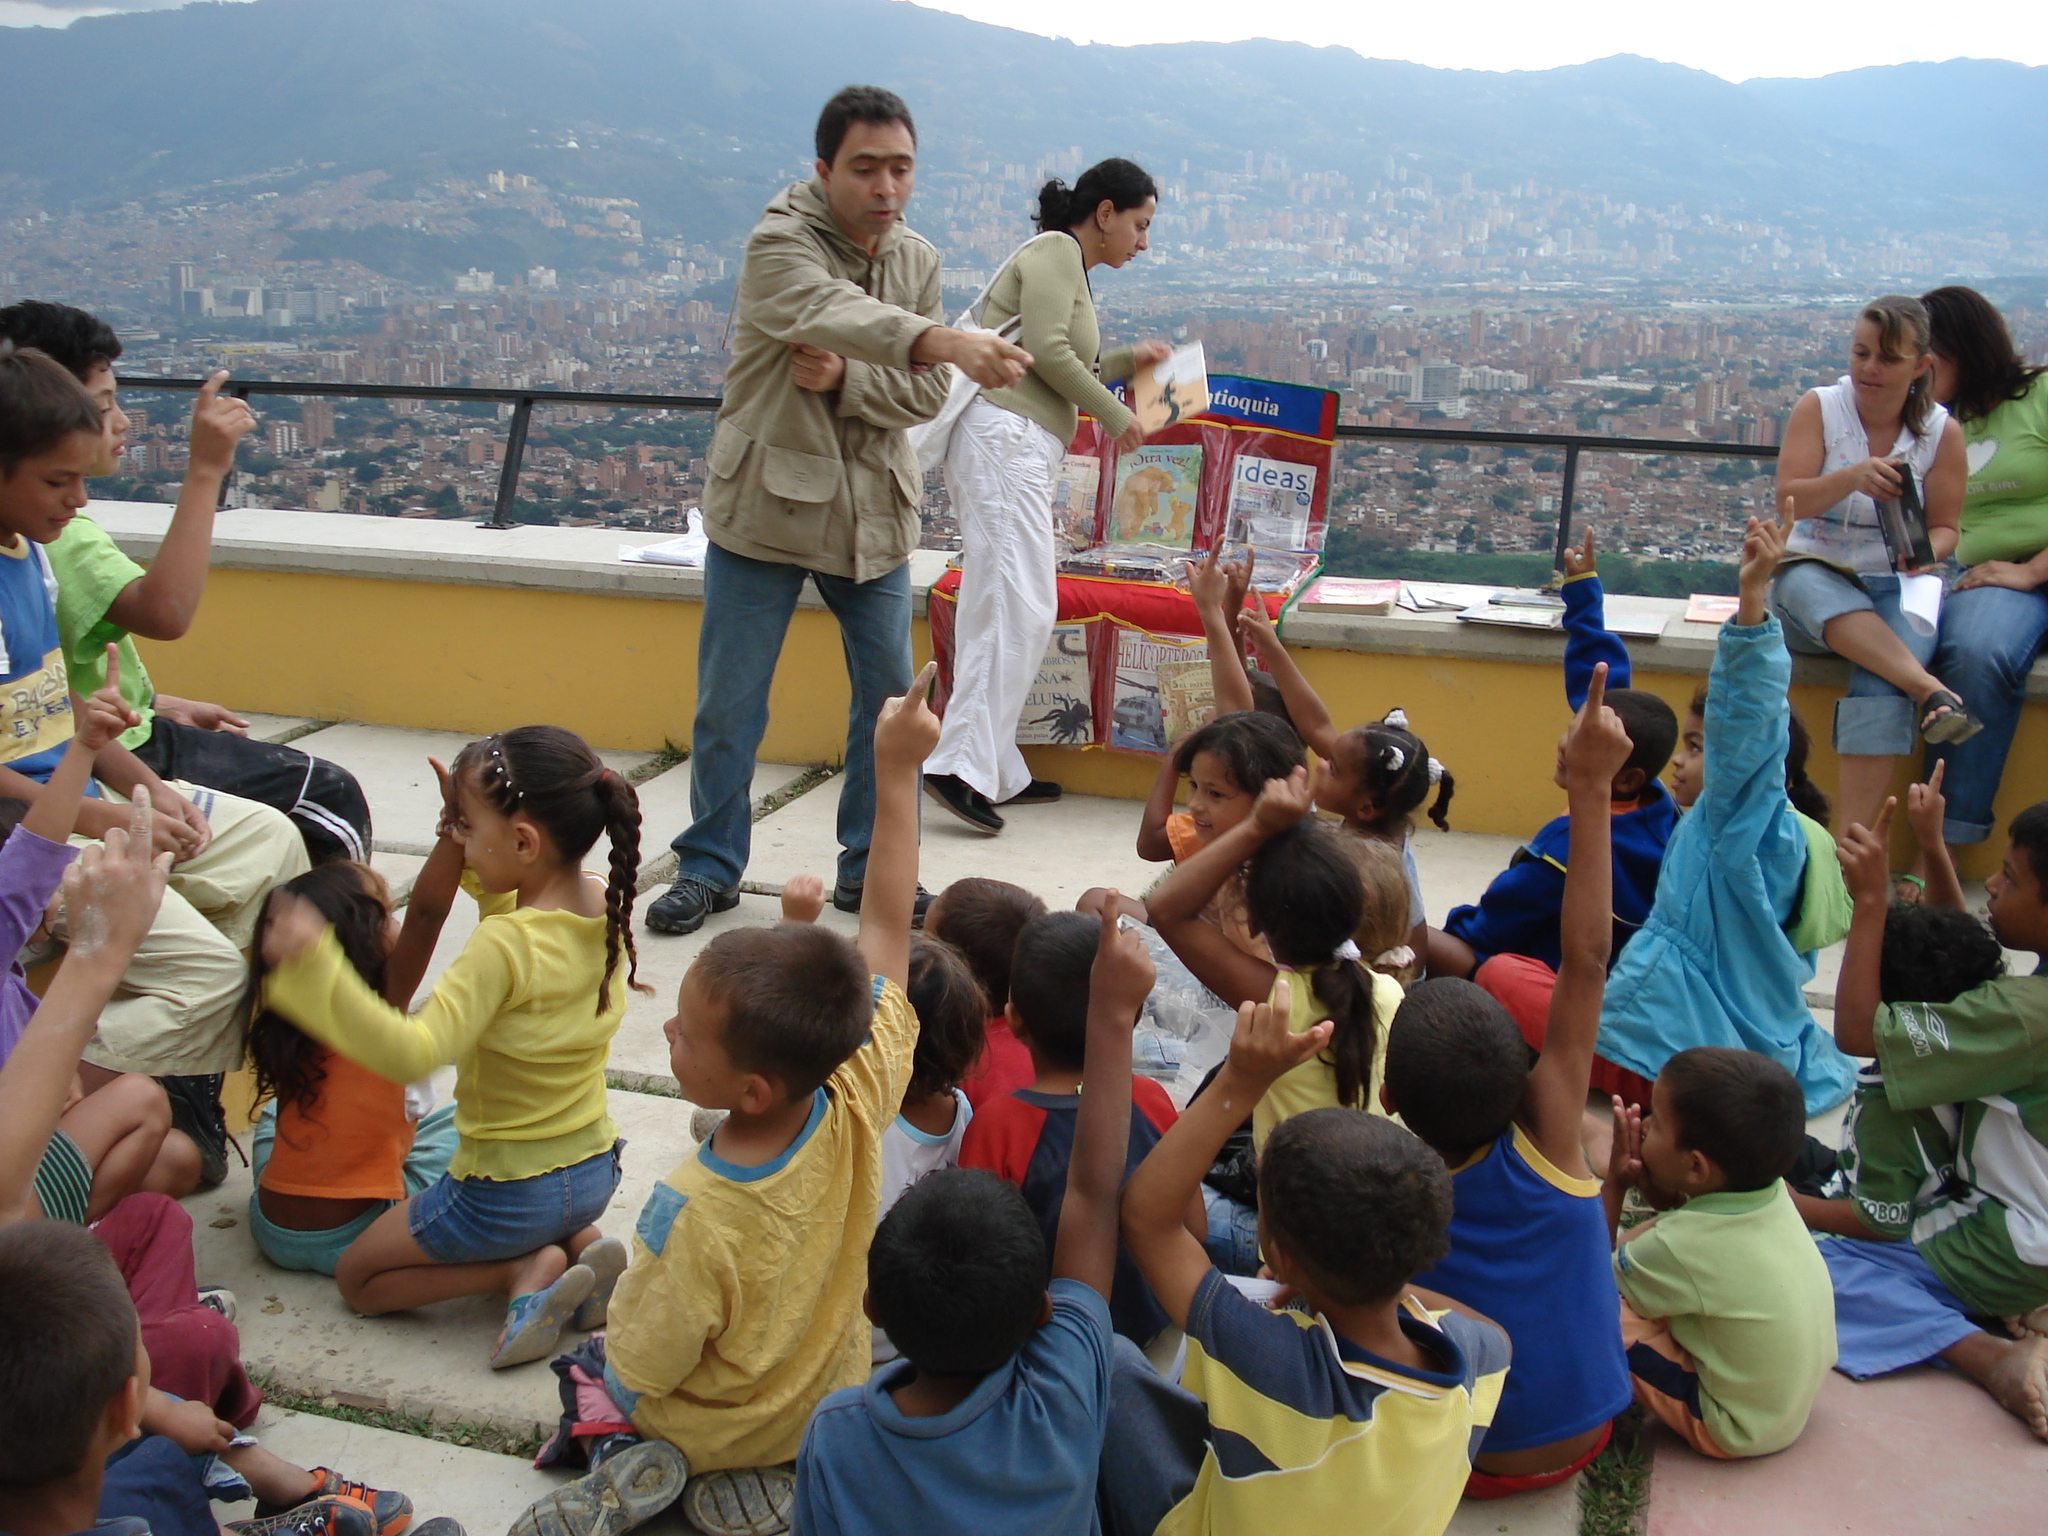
(694, 107)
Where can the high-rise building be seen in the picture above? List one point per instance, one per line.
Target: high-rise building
(316, 422)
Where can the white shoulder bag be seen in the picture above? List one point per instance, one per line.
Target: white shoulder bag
(929, 440)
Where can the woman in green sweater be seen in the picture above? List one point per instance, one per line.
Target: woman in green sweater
(1000, 469)
(1993, 623)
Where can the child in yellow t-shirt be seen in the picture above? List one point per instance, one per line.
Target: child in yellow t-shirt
(526, 1014)
(741, 1308)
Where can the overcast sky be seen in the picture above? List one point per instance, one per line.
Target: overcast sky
(1737, 39)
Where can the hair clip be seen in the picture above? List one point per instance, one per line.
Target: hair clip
(501, 767)
(1396, 717)
(1393, 758)
(1346, 951)
(1436, 771)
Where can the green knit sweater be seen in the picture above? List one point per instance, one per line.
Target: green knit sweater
(1047, 284)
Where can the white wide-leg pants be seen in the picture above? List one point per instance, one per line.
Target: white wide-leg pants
(1000, 468)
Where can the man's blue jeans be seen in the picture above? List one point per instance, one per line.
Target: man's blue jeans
(1989, 639)
(747, 608)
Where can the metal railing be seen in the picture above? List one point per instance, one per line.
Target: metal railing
(523, 401)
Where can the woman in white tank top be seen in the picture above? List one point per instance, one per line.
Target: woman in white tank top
(1843, 451)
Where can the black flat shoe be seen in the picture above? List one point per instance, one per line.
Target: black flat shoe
(964, 801)
(1037, 792)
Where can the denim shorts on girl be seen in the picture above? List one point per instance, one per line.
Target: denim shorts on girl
(481, 1221)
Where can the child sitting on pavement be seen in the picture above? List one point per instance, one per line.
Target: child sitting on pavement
(1726, 1308)
(1365, 1401)
(1947, 1155)
(1027, 1137)
(993, 1419)
(1529, 1246)
(741, 1309)
(982, 918)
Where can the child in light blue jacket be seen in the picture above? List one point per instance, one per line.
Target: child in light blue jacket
(1750, 887)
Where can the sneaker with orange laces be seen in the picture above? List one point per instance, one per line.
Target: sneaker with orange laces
(327, 1516)
(391, 1511)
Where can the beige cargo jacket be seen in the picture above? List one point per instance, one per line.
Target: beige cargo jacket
(824, 481)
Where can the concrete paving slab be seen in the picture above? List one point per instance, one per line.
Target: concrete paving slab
(484, 1490)
(665, 807)
(1056, 850)
(1920, 1451)
(1456, 867)
(404, 798)
(1547, 1512)
(432, 1362)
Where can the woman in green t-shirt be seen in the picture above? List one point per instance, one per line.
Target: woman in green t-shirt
(1994, 621)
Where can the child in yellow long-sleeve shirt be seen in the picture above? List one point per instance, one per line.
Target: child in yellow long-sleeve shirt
(526, 1015)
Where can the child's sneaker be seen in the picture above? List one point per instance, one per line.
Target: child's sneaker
(329, 1516)
(748, 1501)
(219, 1298)
(626, 1490)
(606, 1259)
(392, 1511)
(533, 1322)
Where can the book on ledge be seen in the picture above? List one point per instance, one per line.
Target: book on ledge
(1166, 392)
(1709, 608)
(1345, 594)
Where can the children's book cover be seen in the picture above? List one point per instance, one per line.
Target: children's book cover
(1170, 391)
(1059, 710)
(1156, 491)
(1075, 487)
(1187, 693)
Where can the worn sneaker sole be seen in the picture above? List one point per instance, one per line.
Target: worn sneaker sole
(630, 1489)
(537, 1332)
(747, 1501)
(661, 920)
(606, 1259)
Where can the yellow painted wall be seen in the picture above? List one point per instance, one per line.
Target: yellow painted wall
(622, 671)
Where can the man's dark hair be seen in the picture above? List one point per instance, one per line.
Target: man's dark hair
(1652, 728)
(1359, 1205)
(2029, 836)
(982, 919)
(40, 406)
(952, 1016)
(1740, 1110)
(859, 104)
(957, 1272)
(78, 341)
(1049, 984)
(1456, 1065)
(1935, 954)
(69, 1348)
(799, 1000)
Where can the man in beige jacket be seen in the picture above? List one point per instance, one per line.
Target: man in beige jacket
(838, 331)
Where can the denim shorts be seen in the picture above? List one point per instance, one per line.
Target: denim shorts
(1875, 719)
(481, 1221)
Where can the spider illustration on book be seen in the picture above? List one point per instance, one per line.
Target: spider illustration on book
(1070, 721)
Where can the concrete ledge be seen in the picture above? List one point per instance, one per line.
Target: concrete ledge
(447, 553)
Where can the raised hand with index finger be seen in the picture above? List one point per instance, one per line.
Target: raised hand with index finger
(100, 719)
(1865, 855)
(1597, 745)
(219, 422)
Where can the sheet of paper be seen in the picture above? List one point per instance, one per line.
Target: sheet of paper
(1920, 601)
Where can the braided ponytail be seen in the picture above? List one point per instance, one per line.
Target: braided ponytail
(622, 828)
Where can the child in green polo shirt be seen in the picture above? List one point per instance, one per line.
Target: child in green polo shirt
(1726, 1312)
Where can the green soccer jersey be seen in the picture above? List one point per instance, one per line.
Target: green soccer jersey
(1984, 1230)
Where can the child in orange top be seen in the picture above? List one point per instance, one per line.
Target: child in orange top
(337, 1146)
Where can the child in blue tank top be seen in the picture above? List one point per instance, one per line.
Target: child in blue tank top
(1528, 1236)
